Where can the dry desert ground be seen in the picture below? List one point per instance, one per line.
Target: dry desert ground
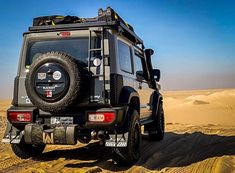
(200, 137)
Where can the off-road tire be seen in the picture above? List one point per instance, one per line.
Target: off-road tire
(156, 129)
(25, 151)
(76, 87)
(130, 154)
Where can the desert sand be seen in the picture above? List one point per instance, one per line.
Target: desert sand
(200, 137)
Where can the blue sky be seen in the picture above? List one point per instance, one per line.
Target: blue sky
(194, 40)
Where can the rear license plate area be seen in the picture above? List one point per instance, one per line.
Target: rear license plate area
(61, 120)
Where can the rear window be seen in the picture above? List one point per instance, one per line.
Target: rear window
(75, 47)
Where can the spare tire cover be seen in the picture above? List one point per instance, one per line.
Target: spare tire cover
(54, 81)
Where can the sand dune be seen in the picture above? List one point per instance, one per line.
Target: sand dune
(201, 107)
(200, 138)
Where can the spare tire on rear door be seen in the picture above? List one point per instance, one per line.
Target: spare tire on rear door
(56, 81)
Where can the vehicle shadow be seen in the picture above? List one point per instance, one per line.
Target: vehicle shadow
(175, 150)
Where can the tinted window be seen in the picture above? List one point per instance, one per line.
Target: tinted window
(138, 64)
(125, 57)
(77, 48)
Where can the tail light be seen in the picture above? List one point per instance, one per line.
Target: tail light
(101, 117)
(20, 116)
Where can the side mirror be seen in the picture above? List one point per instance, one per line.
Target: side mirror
(149, 52)
(140, 76)
(156, 74)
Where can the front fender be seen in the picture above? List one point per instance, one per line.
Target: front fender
(156, 99)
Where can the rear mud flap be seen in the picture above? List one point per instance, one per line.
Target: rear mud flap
(117, 140)
(12, 135)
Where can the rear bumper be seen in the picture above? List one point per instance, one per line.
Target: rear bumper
(67, 135)
(41, 131)
(80, 117)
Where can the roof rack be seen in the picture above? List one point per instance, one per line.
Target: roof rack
(105, 18)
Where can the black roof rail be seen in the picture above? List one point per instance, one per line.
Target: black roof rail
(106, 18)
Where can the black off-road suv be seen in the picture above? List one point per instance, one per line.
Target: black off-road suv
(83, 79)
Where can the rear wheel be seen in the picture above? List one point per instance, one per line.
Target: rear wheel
(25, 151)
(130, 154)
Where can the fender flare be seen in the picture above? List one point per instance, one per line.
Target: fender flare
(126, 95)
(156, 99)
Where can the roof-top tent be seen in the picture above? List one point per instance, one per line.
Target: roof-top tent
(106, 18)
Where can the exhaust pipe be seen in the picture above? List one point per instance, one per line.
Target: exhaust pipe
(101, 135)
(93, 135)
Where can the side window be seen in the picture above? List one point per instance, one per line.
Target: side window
(138, 63)
(125, 57)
